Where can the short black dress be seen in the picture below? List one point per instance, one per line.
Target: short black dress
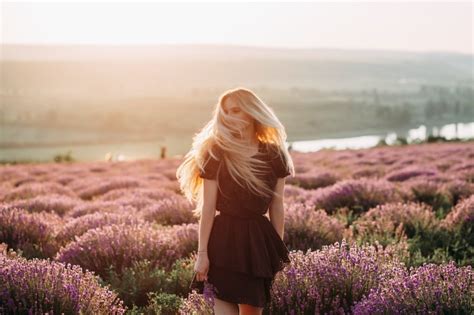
(244, 249)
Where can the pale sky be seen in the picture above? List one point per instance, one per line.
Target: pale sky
(392, 25)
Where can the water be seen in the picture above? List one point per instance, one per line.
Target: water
(130, 150)
(450, 131)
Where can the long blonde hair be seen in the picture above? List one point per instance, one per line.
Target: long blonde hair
(223, 134)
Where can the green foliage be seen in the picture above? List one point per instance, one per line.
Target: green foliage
(59, 158)
(440, 201)
(135, 283)
(346, 216)
(164, 303)
(401, 141)
(460, 245)
(160, 303)
(441, 246)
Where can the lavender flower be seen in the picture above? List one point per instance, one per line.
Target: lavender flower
(33, 233)
(119, 245)
(332, 279)
(356, 194)
(60, 204)
(309, 229)
(78, 226)
(91, 188)
(429, 289)
(91, 207)
(294, 194)
(139, 192)
(462, 216)
(314, 179)
(198, 303)
(170, 211)
(410, 172)
(430, 191)
(458, 189)
(389, 223)
(367, 172)
(42, 286)
(30, 190)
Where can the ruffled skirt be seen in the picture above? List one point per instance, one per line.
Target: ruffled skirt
(245, 253)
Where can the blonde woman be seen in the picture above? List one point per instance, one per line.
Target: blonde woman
(237, 166)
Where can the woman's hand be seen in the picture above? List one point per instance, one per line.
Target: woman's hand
(201, 267)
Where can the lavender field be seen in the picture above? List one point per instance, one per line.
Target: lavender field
(386, 230)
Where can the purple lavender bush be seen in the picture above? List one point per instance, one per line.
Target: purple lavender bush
(140, 192)
(306, 228)
(410, 172)
(78, 226)
(294, 194)
(30, 190)
(119, 245)
(43, 286)
(199, 303)
(185, 237)
(459, 225)
(357, 194)
(333, 279)
(458, 189)
(95, 206)
(466, 165)
(429, 289)
(99, 186)
(388, 223)
(134, 201)
(412, 221)
(431, 192)
(60, 204)
(170, 211)
(314, 179)
(462, 216)
(367, 172)
(33, 234)
(467, 175)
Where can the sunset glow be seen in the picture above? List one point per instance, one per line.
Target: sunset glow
(426, 25)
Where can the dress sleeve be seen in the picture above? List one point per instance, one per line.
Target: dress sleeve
(210, 168)
(280, 166)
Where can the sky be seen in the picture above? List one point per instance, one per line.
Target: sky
(383, 25)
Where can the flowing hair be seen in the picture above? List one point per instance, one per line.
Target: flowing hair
(222, 138)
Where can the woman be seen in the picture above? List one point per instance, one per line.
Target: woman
(237, 166)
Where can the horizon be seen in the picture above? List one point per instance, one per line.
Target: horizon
(239, 46)
(313, 26)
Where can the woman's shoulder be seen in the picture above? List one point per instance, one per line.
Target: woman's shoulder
(212, 160)
(278, 160)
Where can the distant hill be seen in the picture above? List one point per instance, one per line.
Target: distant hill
(56, 96)
(177, 67)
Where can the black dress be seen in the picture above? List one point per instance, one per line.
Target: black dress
(244, 249)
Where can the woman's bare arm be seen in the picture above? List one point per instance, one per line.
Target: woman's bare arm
(277, 216)
(208, 212)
